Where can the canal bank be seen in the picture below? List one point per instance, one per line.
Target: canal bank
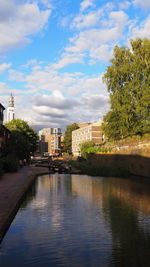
(13, 187)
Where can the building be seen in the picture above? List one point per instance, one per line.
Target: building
(4, 132)
(50, 141)
(10, 109)
(89, 132)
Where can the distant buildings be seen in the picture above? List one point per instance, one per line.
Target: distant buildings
(50, 141)
(4, 132)
(10, 109)
(86, 132)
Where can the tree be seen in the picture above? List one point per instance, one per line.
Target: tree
(128, 82)
(85, 146)
(68, 136)
(23, 138)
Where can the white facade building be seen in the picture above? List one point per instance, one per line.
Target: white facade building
(11, 109)
(91, 132)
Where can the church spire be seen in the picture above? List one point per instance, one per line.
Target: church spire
(11, 101)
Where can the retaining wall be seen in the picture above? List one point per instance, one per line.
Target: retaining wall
(135, 159)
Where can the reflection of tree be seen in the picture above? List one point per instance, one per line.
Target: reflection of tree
(131, 246)
(31, 194)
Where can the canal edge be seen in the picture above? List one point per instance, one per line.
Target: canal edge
(13, 203)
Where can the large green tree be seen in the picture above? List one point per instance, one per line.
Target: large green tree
(128, 82)
(23, 139)
(68, 136)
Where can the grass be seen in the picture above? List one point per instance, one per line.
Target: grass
(97, 170)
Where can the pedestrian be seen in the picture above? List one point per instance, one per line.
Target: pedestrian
(20, 163)
(49, 167)
(24, 162)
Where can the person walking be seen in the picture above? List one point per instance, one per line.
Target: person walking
(20, 163)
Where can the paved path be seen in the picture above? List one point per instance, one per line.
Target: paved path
(13, 186)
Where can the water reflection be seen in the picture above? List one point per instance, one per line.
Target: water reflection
(80, 221)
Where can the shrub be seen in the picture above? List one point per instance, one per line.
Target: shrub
(1, 168)
(9, 164)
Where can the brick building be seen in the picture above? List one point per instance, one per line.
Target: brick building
(50, 141)
(4, 132)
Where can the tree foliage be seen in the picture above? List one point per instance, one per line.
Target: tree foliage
(85, 146)
(68, 136)
(128, 82)
(23, 138)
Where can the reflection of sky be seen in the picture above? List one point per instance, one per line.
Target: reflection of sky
(71, 221)
(58, 225)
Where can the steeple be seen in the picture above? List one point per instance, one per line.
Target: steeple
(11, 108)
(11, 101)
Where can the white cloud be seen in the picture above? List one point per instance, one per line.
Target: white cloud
(4, 67)
(93, 38)
(16, 76)
(97, 42)
(85, 21)
(85, 4)
(119, 19)
(142, 30)
(57, 99)
(18, 22)
(67, 59)
(124, 5)
(142, 3)
(102, 53)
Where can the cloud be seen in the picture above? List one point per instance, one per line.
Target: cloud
(49, 112)
(68, 59)
(85, 4)
(142, 30)
(85, 21)
(55, 99)
(124, 5)
(19, 22)
(145, 4)
(97, 42)
(16, 76)
(4, 67)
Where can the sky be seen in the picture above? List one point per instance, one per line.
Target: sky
(54, 53)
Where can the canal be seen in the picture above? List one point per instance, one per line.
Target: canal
(78, 220)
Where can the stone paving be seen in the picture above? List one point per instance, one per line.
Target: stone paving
(13, 186)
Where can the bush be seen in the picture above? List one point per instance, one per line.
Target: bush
(1, 168)
(10, 164)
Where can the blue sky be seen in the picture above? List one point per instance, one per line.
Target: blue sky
(53, 55)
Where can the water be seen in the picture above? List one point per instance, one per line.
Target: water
(74, 220)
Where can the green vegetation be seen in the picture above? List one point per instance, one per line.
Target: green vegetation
(128, 82)
(23, 139)
(68, 137)
(96, 170)
(90, 147)
(9, 163)
(85, 146)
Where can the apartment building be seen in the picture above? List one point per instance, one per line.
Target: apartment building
(90, 132)
(49, 141)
